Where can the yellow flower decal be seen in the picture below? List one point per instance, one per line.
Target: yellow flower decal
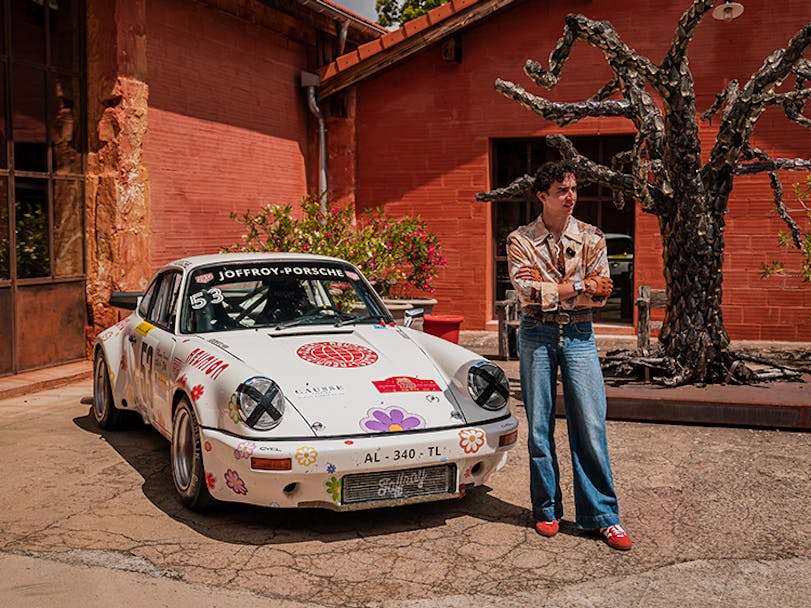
(306, 455)
(470, 440)
(233, 408)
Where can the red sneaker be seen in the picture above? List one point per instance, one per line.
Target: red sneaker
(616, 538)
(547, 528)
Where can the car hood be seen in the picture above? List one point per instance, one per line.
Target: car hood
(355, 380)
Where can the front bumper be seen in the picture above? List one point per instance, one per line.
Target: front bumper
(317, 467)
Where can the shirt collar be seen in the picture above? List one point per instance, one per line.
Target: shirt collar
(571, 232)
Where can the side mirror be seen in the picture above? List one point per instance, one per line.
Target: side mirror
(411, 314)
(128, 300)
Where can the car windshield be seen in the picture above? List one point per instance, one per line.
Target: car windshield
(278, 295)
(620, 245)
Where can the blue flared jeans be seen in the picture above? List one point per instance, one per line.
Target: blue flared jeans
(543, 349)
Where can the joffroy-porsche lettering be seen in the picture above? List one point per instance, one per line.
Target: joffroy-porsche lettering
(272, 271)
(206, 363)
(394, 486)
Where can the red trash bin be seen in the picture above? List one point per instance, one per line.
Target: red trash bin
(443, 326)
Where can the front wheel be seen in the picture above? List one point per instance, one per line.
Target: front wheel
(105, 413)
(187, 459)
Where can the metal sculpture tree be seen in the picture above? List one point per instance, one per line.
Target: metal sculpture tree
(663, 169)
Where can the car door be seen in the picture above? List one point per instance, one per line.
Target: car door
(154, 341)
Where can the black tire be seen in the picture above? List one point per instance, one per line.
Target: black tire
(188, 472)
(104, 411)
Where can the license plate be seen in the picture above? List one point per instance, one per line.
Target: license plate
(393, 485)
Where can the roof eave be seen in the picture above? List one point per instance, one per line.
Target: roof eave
(395, 46)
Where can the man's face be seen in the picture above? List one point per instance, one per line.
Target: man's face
(561, 197)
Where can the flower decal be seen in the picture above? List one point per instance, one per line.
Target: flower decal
(197, 392)
(390, 420)
(182, 380)
(334, 488)
(211, 481)
(244, 449)
(306, 455)
(470, 440)
(233, 408)
(331, 468)
(235, 482)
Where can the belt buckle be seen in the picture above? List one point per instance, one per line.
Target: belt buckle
(563, 318)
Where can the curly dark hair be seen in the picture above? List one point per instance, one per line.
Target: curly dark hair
(552, 171)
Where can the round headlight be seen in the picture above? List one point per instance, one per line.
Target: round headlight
(261, 403)
(488, 385)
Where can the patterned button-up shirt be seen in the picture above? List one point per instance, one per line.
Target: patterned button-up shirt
(580, 253)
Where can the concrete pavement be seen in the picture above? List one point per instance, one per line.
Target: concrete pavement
(90, 518)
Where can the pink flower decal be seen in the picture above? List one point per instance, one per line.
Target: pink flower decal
(234, 481)
(390, 420)
(197, 392)
(244, 449)
(211, 481)
(470, 440)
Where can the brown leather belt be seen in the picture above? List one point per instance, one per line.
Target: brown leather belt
(560, 317)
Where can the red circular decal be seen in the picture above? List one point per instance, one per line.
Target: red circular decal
(337, 354)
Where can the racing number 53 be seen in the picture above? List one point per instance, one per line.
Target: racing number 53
(145, 370)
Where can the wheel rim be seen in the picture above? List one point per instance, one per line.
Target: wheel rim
(183, 449)
(100, 389)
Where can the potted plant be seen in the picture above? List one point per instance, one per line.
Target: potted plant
(399, 257)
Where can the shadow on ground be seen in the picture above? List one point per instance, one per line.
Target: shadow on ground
(147, 452)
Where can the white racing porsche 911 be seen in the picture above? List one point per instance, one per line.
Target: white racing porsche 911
(282, 380)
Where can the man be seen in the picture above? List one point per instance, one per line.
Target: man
(559, 267)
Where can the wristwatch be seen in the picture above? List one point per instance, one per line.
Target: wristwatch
(578, 286)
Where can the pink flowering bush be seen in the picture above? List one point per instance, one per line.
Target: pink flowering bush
(394, 254)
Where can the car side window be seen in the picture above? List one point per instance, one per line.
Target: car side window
(143, 307)
(163, 305)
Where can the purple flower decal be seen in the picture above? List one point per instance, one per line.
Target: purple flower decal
(331, 468)
(234, 481)
(390, 420)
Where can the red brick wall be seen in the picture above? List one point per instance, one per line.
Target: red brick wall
(227, 125)
(424, 129)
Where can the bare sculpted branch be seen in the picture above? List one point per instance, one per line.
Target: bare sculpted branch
(662, 169)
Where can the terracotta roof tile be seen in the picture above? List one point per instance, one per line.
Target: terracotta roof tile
(369, 49)
(440, 12)
(392, 38)
(416, 25)
(347, 60)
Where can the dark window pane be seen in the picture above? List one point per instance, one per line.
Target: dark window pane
(68, 228)
(29, 119)
(31, 228)
(65, 29)
(65, 116)
(28, 30)
(3, 126)
(588, 147)
(5, 235)
(2, 28)
(512, 161)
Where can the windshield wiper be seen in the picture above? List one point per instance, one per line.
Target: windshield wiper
(352, 319)
(322, 313)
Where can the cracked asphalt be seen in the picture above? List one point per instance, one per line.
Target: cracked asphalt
(719, 516)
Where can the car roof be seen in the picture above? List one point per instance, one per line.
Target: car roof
(617, 235)
(228, 258)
